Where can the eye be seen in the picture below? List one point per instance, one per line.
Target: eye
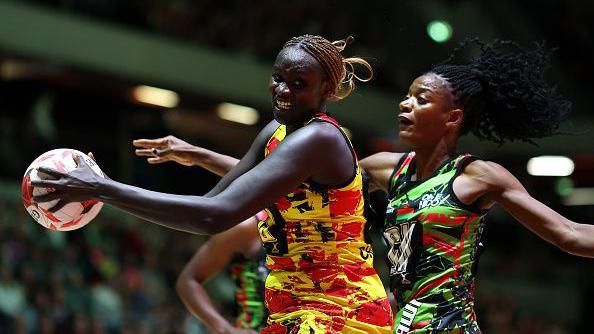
(298, 84)
(421, 100)
(276, 78)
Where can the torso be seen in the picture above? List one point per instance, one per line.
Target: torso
(434, 241)
(322, 278)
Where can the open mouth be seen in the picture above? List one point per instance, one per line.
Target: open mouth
(404, 121)
(282, 105)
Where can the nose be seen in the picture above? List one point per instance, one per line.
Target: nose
(282, 89)
(404, 105)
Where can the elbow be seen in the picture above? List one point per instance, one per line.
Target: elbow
(212, 219)
(219, 221)
(181, 286)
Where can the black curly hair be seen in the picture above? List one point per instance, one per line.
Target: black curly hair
(503, 92)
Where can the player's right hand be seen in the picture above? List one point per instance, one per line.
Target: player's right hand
(169, 148)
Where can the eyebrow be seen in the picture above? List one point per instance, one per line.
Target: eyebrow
(421, 90)
(298, 69)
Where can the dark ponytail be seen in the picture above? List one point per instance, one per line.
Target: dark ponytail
(503, 92)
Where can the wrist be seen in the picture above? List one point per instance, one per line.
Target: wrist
(101, 189)
(199, 156)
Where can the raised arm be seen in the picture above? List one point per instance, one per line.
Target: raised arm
(211, 258)
(378, 168)
(494, 184)
(316, 149)
(171, 148)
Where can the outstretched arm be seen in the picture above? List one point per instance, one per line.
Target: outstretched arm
(312, 150)
(498, 185)
(378, 168)
(211, 258)
(171, 148)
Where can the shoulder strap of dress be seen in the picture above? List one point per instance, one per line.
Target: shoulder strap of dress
(277, 136)
(462, 161)
(403, 162)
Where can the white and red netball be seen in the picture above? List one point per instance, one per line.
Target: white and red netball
(73, 215)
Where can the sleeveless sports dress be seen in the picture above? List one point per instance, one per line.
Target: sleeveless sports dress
(249, 276)
(434, 242)
(321, 276)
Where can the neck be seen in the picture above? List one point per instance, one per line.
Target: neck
(428, 159)
(290, 128)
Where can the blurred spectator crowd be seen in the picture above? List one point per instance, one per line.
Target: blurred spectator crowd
(108, 277)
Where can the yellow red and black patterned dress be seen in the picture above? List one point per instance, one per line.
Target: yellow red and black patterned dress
(321, 276)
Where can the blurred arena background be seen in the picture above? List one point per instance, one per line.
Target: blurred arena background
(83, 74)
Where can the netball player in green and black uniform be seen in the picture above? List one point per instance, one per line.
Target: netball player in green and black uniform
(240, 250)
(434, 239)
(249, 277)
(438, 198)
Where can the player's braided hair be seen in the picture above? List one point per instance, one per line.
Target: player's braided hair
(503, 92)
(339, 70)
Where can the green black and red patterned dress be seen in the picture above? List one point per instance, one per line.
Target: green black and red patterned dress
(249, 276)
(434, 242)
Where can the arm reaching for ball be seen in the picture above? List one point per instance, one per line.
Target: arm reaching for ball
(250, 186)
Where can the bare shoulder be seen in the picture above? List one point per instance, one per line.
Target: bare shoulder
(322, 131)
(480, 183)
(488, 172)
(378, 168)
(316, 133)
(381, 160)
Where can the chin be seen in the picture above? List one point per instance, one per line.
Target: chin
(279, 116)
(406, 137)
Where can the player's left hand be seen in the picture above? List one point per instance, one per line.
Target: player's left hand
(169, 148)
(78, 185)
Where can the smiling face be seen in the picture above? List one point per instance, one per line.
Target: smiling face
(428, 113)
(298, 86)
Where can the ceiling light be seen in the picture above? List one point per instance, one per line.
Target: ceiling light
(439, 31)
(238, 114)
(549, 165)
(155, 96)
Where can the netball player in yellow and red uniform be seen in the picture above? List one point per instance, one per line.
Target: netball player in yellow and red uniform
(304, 169)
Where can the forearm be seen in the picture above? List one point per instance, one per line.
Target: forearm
(582, 241)
(192, 214)
(214, 162)
(199, 304)
(571, 237)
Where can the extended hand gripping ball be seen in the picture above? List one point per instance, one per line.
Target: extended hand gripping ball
(73, 215)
